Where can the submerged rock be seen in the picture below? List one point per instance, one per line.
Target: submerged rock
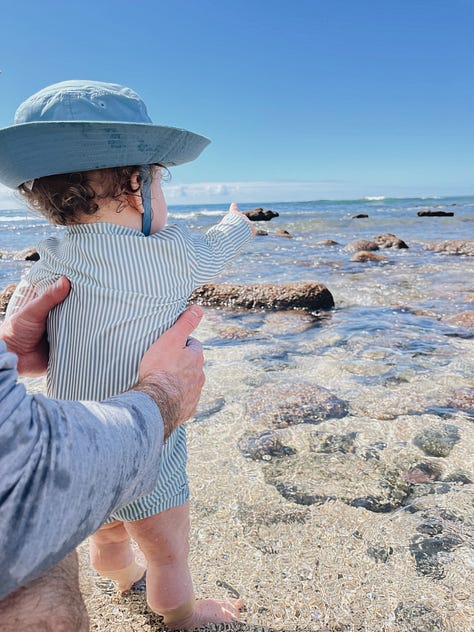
(365, 255)
(281, 232)
(362, 244)
(431, 553)
(462, 400)
(465, 319)
(264, 446)
(313, 479)
(453, 247)
(389, 240)
(278, 296)
(282, 405)
(360, 216)
(330, 443)
(416, 616)
(438, 442)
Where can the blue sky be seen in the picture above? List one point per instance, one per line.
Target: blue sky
(303, 100)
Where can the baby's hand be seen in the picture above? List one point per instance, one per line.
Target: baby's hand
(233, 208)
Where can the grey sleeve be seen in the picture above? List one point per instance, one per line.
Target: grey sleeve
(64, 467)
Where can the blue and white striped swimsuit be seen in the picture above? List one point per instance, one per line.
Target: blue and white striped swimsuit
(126, 290)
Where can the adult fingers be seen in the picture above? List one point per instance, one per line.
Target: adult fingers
(39, 308)
(185, 325)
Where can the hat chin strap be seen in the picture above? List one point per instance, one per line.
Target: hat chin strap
(146, 201)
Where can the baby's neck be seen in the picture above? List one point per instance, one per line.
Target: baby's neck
(112, 213)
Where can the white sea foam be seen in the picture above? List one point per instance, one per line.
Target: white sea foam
(13, 218)
(374, 198)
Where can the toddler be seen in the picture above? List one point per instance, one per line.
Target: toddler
(88, 157)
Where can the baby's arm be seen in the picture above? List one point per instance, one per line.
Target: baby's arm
(220, 244)
(23, 294)
(233, 208)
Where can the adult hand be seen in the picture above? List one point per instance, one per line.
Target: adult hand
(171, 371)
(24, 332)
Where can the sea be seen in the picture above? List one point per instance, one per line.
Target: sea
(393, 350)
(400, 305)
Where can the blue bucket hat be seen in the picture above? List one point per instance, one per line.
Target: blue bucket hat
(83, 125)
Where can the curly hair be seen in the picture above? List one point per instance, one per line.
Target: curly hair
(65, 198)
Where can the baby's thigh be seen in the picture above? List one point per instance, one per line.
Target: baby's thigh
(164, 534)
(109, 533)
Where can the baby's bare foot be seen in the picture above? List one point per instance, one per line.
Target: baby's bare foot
(216, 611)
(125, 577)
(208, 611)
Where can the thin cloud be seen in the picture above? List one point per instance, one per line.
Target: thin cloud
(208, 192)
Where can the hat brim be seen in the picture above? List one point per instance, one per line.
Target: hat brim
(35, 150)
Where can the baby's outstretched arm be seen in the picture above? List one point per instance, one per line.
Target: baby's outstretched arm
(233, 208)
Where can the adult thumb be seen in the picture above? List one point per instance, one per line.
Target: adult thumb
(185, 325)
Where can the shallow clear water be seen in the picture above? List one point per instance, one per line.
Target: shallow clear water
(389, 350)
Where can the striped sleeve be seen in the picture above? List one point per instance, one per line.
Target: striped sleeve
(219, 245)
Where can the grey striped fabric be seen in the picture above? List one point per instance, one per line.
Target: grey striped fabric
(126, 291)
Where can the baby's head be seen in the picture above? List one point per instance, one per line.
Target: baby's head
(79, 127)
(69, 198)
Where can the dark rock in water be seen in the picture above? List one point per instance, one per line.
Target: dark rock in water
(418, 617)
(27, 254)
(372, 451)
(5, 296)
(436, 488)
(389, 240)
(453, 247)
(379, 553)
(329, 443)
(301, 496)
(315, 478)
(430, 553)
(362, 244)
(261, 215)
(331, 242)
(458, 477)
(437, 442)
(423, 473)
(284, 296)
(281, 232)
(282, 405)
(262, 514)
(365, 255)
(430, 213)
(206, 409)
(261, 233)
(264, 446)
(431, 526)
(360, 216)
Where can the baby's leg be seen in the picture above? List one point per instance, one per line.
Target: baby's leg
(112, 555)
(163, 538)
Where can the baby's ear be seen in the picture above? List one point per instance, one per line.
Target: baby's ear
(134, 197)
(135, 182)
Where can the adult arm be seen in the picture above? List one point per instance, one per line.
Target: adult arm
(64, 466)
